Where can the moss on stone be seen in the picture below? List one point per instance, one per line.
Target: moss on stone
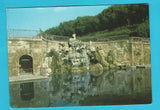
(96, 67)
(97, 57)
(57, 64)
(113, 66)
(106, 68)
(110, 57)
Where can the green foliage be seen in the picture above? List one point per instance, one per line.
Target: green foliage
(51, 53)
(140, 30)
(56, 59)
(115, 22)
(57, 64)
(95, 57)
(143, 30)
(118, 33)
(92, 57)
(65, 28)
(110, 57)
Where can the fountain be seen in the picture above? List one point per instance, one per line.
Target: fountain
(77, 58)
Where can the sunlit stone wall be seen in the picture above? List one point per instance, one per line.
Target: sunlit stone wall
(131, 52)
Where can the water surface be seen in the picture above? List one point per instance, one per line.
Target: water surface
(114, 87)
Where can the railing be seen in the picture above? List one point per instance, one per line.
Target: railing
(33, 35)
(23, 33)
(47, 37)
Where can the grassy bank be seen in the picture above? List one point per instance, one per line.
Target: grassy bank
(121, 33)
(116, 34)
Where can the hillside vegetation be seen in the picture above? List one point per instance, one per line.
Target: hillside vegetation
(115, 22)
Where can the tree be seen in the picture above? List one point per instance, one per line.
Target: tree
(110, 18)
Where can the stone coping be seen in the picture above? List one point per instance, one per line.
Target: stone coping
(26, 78)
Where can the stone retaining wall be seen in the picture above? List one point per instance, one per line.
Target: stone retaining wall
(127, 52)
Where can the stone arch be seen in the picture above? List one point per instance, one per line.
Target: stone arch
(14, 62)
(25, 64)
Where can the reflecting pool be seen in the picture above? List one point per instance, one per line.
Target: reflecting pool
(114, 87)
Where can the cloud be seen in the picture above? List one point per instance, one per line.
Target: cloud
(58, 9)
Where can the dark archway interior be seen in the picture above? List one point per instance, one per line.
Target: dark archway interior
(26, 64)
(27, 91)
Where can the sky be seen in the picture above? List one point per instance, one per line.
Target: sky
(45, 18)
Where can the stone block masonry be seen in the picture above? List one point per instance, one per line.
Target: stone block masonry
(132, 52)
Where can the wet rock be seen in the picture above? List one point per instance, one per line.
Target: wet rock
(96, 69)
(74, 52)
(78, 69)
(113, 66)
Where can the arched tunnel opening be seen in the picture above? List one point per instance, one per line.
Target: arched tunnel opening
(25, 64)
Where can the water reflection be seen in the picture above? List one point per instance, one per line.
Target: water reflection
(114, 87)
(131, 86)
